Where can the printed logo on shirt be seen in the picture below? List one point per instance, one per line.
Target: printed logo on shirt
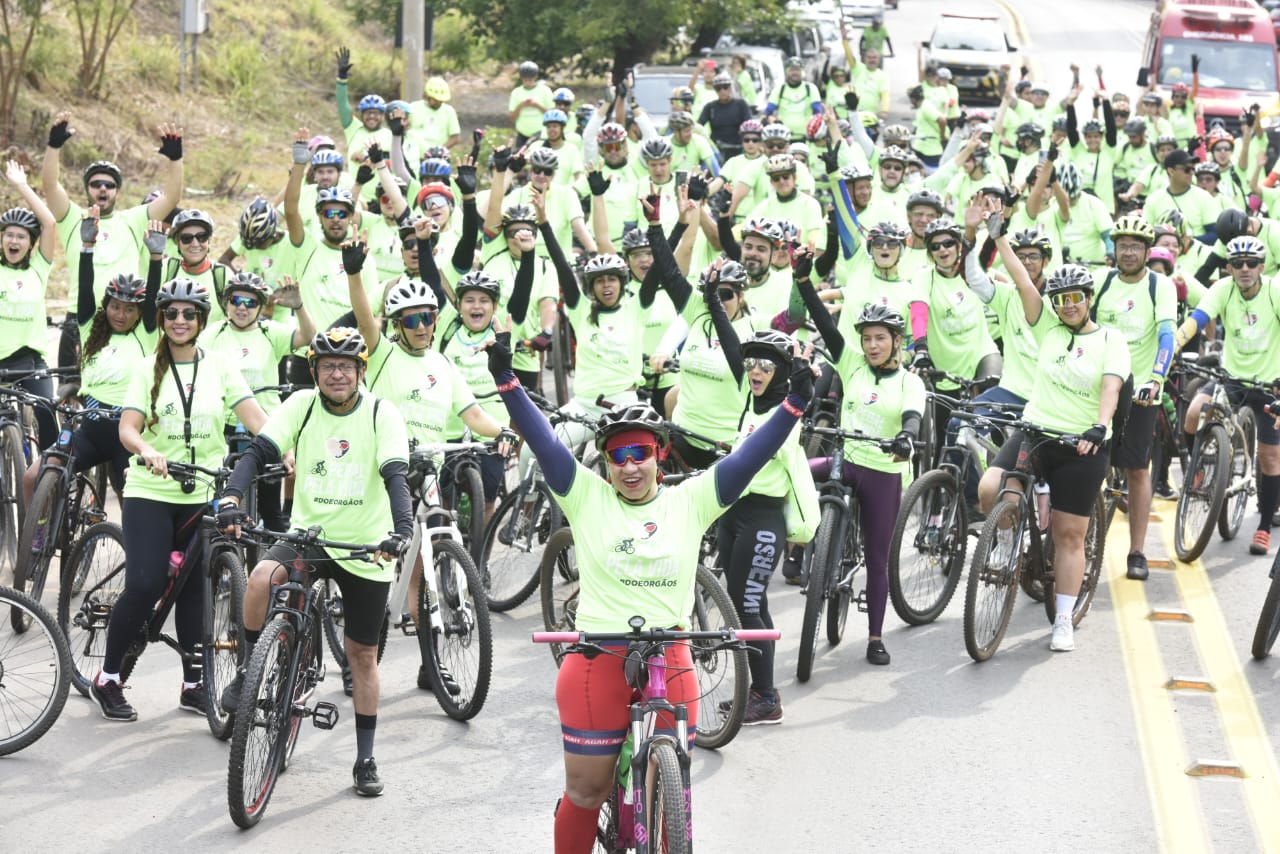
(168, 410)
(415, 395)
(869, 398)
(319, 469)
(625, 546)
(1127, 306)
(1251, 319)
(650, 528)
(431, 381)
(337, 447)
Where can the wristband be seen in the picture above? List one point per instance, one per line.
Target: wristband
(792, 408)
(511, 386)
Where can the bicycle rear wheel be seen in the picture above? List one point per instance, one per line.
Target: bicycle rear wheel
(723, 674)
(1243, 448)
(1095, 541)
(993, 581)
(92, 581)
(39, 540)
(457, 638)
(823, 567)
(818, 444)
(1202, 493)
(843, 577)
(668, 815)
(607, 830)
(333, 617)
(13, 462)
(224, 643)
(35, 668)
(1264, 634)
(513, 545)
(926, 554)
(558, 582)
(261, 723)
(468, 504)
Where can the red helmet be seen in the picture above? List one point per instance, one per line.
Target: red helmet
(816, 128)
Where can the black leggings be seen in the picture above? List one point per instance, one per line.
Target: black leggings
(153, 529)
(753, 539)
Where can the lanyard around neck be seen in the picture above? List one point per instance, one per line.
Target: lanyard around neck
(186, 399)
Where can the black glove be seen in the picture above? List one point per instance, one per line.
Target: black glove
(230, 515)
(1095, 435)
(343, 55)
(902, 446)
(511, 437)
(171, 146)
(375, 154)
(831, 158)
(540, 343)
(155, 241)
(711, 289)
(393, 545)
(1052, 154)
(396, 123)
(719, 201)
(59, 134)
(1195, 62)
(501, 159)
(500, 354)
(1097, 102)
(517, 162)
(697, 188)
(89, 230)
(851, 101)
(801, 379)
(921, 358)
(1193, 144)
(466, 180)
(1024, 70)
(353, 255)
(364, 174)
(477, 136)
(597, 182)
(652, 214)
(802, 264)
(621, 90)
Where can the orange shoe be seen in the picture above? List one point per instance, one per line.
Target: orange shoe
(1261, 543)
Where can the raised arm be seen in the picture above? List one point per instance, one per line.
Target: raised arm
(171, 192)
(86, 305)
(554, 457)
(464, 253)
(734, 472)
(354, 253)
(822, 319)
(676, 285)
(730, 345)
(17, 177)
(1032, 302)
(51, 166)
(293, 188)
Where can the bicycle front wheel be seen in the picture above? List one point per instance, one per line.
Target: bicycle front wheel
(993, 581)
(332, 616)
(558, 580)
(723, 675)
(668, 816)
(457, 638)
(261, 725)
(843, 577)
(38, 541)
(513, 544)
(823, 566)
(926, 554)
(1264, 635)
(92, 581)
(1203, 489)
(224, 641)
(1240, 480)
(13, 462)
(35, 669)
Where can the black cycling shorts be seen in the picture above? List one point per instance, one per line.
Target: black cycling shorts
(1074, 481)
(1257, 401)
(1138, 440)
(364, 602)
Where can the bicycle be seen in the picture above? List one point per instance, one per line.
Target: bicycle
(1015, 540)
(34, 673)
(280, 680)
(1219, 478)
(644, 814)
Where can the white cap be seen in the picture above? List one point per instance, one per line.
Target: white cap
(944, 73)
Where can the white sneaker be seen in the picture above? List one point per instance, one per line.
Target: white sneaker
(1001, 550)
(1064, 634)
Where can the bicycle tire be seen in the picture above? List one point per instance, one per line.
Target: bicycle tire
(821, 567)
(92, 581)
(992, 589)
(922, 459)
(1095, 543)
(562, 358)
(1116, 490)
(457, 634)
(1243, 449)
(332, 618)
(38, 540)
(921, 591)
(558, 581)
(1264, 634)
(13, 463)
(36, 664)
(715, 667)
(224, 642)
(309, 670)
(607, 830)
(668, 815)
(819, 445)
(509, 570)
(842, 592)
(1202, 490)
(469, 485)
(257, 737)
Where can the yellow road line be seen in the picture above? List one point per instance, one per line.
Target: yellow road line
(1242, 725)
(1023, 35)
(1174, 802)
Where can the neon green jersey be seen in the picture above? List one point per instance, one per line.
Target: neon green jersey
(1128, 308)
(119, 248)
(1199, 211)
(323, 280)
(1069, 373)
(1252, 328)
(802, 211)
(957, 331)
(874, 405)
(22, 292)
(529, 117)
(427, 389)
(106, 375)
(428, 127)
(1097, 172)
(256, 351)
(610, 350)
(1090, 219)
(1021, 349)
(710, 401)
(503, 267)
(464, 349)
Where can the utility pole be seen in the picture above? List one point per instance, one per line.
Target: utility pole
(413, 33)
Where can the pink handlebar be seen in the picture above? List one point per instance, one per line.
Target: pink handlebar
(740, 634)
(555, 637)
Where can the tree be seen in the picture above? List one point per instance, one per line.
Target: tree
(19, 19)
(98, 22)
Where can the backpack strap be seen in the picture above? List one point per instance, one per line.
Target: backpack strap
(1106, 283)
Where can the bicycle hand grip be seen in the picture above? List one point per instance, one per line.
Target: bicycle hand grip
(555, 637)
(757, 634)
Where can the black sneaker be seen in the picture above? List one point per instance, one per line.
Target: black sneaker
(763, 709)
(193, 700)
(876, 653)
(1137, 566)
(111, 698)
(791, 569)
(230, 700)
(365, 778)
(348, 681)
(1165, 491)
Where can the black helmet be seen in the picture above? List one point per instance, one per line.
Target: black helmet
(103, 167)
(1030, 129)
(1069, 277)
(259, 223)
(1033, 238)
(1232, 223)
(637, 416)
(878, 314)
(22, 218)
(478, 280)
(338, 341)
(184, 290)
(634, 239)
(925, 198)
(528, 69)
(771, 344)
(520, 213)
(732, 274)
(943, 225)
(127, 288)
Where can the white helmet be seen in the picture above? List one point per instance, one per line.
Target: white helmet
(408, 295)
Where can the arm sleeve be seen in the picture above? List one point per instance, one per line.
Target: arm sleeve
(979, 282)
(1109, 122)
(154, 269)
(825, 262)
(846, 218)
(518, 305)
(734, 472)
(729, 243)
(649, 285)
(673, 239)
(564, 273)
(911, 424)
(395, 481)
(345, 116)
(85, 306)
(261, 453)
(821, 318)
(556, 460)
(860, 137)
(430, 274)
(678, 287)
(1166, 349)
(673, 338)
(464, 254)
(730, 345)
(1073, 134)
(919, 320)
(1210, 269)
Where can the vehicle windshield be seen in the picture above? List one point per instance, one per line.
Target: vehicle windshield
(968, 34)
(654, 93)
(1223, 65)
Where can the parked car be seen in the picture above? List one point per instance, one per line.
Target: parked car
(800, 39)
(764, 66)
(653, 85)
(977, 50)
(862, 11)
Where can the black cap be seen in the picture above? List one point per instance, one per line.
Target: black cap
(1176, 158)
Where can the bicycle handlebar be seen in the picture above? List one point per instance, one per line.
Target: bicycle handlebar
(656, 635)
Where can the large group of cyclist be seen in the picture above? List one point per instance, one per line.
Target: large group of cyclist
(810, 300)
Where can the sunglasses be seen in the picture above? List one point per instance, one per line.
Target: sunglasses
(777, 144)
(611, 146)
(634, 453)
(781, 176)
(102, 185)
(541, 170)
(433, 202)
(187, 238)
(335, 213)
(747, 139)
(243, 302)
(726, 294)
(943, 244)
(765, 365)
(409, 243)
(418, 318)
(1244, 263)
(186, 313)
(1068, 298)
(1221, 148)
(884, 243)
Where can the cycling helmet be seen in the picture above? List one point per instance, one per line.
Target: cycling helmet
(1059, 124)
(327, 157)
(942, 225)
(878, 314)
(372, 102)
(103, 167)
(779, 164)
(408, 294)
(22, 218)
(556, 115)
(634, 239)
(894, 154)
(1160, 253)
(478, 280)
(732, 274)
(774, 132)
(190, 216)
(334, 196)
(790, 232)
(435, 188)
(1033, 238)
(772, 344)
(655, 148)
(127, 288)
(1069, 277)
(1151, 98)
(1246, 246)
(612, 132)
(258, 223)
(402, 106)
(1031, 130)
(1180, 89)
(679, 120)
(437, 89)
(751, 126)
(1220, 134)
(604, 265)
(1232, 223)
(584, 113)
(519, 213)
(1166, 139)
(184, 290)
(856, 172)
(1134, 225)
(800, 151)
(320, 141)
(246, 281)
(869, 119)
(887, 231)
(1069, 178)
(764, 228)
(338, 341)
(637, 416)
(721, 79)
(544, 158)
(925, 198)
(845, 129)
(683, 94)
(1209, 167)
(815, 129)
(896, 135)
(434, 169)
(1091, 126)
(563, 95)
(1134, 127)
(528, 69)
(1175, 221)
(1039, 87)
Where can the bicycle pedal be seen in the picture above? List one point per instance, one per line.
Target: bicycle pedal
(861, 601)
(324, 715)
(408, 627)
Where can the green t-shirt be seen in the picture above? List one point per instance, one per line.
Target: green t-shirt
(464, 349)
(775, 477)
(529, 119)
(609, 354)
(323, 281)
(1128, 309)
(804, 212)
(545, 286)
(795, 105)
(957, 331)
(429, 127)
(657, 319)
(1090, 219)
(771, 296)
(215, 387)
(1069, 373)
(22, 307)
(1021, 349)
(864, 287)
(1252, 328)
(340, 458)
(384, 248)
(620, 201)
(1097, 172)
(119, 248)
(427, 389)
(926, 137)
(271, 262)
(563, 208)
(872, 87)
(256, 351)
(359, 137)
(710, 402)
(106, 375)
(690, 156)
(1269, 234)
(744, 170)
(1199, 210)
(874, 405)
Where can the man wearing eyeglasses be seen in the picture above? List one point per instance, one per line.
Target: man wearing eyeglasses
(1199, 210)
(119, 248)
